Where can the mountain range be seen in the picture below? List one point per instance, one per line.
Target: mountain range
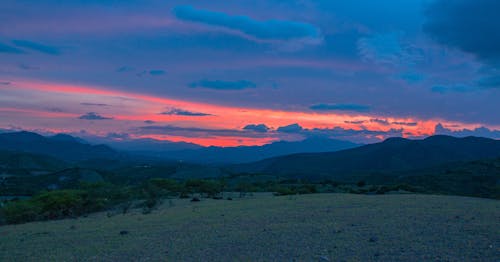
(61, 146)
(72, 148)
(470, 166)
(391, 155)
(242, 154)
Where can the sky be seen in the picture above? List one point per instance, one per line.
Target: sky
(240, 72)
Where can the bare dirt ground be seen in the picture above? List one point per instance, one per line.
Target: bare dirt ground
(320, 227)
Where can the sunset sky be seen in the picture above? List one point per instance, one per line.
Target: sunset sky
(233, 73)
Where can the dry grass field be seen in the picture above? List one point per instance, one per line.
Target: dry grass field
(319, 227)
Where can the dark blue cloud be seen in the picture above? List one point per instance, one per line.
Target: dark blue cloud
(480, 131)
(405, 123)
(257, 128)
(363, 135)
(489, 81)
(469, 25)
(389, 49)
(181, 112)
(93, 116)
(340, 107)
(93, 104)
(356, 122)
(157, 72)
(293, 128)
(10, 49)
(412, 77)
(124, 69)
(5, 83)
(152, 72)
(149, 122)
(196, 132)
(28, 67)
(269, 29)
(443, 89)
(380, 121)
(224, 85)
(119, 136)
(50, 50)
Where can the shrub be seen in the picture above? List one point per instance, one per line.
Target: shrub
(307, 189)
(361, 183)
(62, 203)
(16, 212)
(382, 190)
(283, 191)
(52, 205)
(209, 187)
(168, 185)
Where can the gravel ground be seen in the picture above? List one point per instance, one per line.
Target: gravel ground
(320, 227)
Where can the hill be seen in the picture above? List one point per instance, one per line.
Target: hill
(12, 161)
(391, 155)
(63, 147)
(480, 178)
(66, 178)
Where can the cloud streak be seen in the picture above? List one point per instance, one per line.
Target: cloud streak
(181, 112)
(223, 85)
(359, 135)
(93, 104)
(261, 128)
(45, 49)
(10, 49)
(157, 72)
(267, 30)
(93, 116)
(196, 132)
(340, 107)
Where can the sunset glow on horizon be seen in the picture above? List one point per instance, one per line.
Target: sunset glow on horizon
(126, 112)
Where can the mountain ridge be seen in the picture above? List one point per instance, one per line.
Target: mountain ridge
(394, 154)
(64, 149)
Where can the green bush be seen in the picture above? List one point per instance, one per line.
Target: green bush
(209, 187)
(54, 205)
(61, 203)
(16, 212)
(283, 191)
(361, 183)
(295, 189)
(168, 185)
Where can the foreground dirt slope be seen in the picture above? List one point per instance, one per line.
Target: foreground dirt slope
(322, 227)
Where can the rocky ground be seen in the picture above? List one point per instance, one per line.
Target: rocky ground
(320, 227)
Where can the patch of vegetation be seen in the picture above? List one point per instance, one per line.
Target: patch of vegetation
(59, 204)
(67, 194)
(295, 190)
(49, 205)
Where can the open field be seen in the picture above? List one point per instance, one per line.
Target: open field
(319, 227)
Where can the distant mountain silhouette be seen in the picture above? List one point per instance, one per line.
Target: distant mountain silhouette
(63, 147)
(243, 154)
(72, 148)
(150, 146)
(394, 154)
